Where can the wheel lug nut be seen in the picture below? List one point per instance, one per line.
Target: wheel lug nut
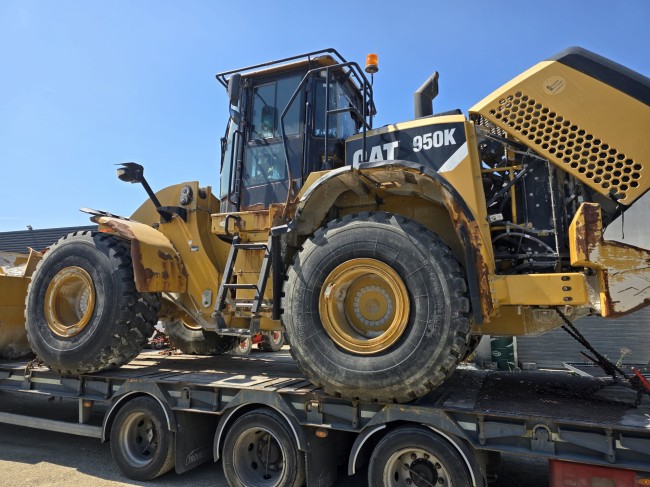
(413, 456)
(406, 466)
(409, 481)
(438, 466)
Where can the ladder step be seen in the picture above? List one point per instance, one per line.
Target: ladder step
(251, 246)
(249, 304)
(239, 286)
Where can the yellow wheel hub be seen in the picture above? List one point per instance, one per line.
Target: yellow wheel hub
(364, 306)
(69, 301)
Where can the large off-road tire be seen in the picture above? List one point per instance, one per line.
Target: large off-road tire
(416, 456)
(83, 313)
(259, 449)
(193, 340)
(376, 308)
(272, 341)
(141, 443)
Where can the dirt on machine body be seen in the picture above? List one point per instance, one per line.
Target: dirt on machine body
(381, 252)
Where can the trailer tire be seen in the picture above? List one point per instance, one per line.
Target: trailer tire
(193, 340)
(417, 456)
(83, 313)
(272, 341)
(243, 346)
(376, 308)
(259, 449)
(142, 445)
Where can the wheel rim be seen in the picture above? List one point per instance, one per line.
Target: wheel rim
(138, 439)
(244, 345)
(364, 306)
(258, 458)
(69, 301)
(415, 467)
(276, 337)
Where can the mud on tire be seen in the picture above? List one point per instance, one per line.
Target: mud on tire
(83, 313)
(409, 267)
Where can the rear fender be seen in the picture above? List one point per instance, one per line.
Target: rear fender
(157, 266)
(369, 182)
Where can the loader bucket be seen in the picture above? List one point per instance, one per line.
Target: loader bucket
(13, 337)
(15, 274)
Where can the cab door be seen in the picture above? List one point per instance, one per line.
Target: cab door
(265, 172)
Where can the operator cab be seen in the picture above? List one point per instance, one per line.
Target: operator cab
(288, 118)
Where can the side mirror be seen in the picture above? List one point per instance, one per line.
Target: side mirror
(130, 172)
(234, 89)
(234, 116)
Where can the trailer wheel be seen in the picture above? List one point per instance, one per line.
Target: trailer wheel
(376, 308)
(83, 313)
(272, 341)
(243, 347)
(141, 444)
(414, 456)
(193, 340)
(260, 450)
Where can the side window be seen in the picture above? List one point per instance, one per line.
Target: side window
(264, 112)
(269, 101)
(227, 159)
(341, 125)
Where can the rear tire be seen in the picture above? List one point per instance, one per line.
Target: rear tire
(376, 308)
(193, 340)
(141, 444)
(260, 450)
(83, 313)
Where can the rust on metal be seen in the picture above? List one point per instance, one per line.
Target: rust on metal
(623, 270)
(157, 266)
(476, 241)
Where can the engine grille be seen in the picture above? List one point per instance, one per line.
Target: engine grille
(588, 156)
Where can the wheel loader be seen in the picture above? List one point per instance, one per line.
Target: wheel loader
(384, 253)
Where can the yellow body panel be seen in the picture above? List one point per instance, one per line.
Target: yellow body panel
(540, 289)
(623, 270)
(157, 267)
(582, 125)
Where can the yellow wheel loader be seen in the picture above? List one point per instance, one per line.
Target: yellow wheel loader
(382, 252)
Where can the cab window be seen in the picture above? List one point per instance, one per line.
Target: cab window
(341, 125)
(269, 101)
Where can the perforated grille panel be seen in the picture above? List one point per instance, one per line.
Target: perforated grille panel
(586, 155)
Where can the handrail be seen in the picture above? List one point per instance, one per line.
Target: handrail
(367, 99)
(221, 77)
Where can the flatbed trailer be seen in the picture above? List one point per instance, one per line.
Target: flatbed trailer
(265, 421)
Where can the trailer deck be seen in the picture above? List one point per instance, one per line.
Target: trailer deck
(550, 414)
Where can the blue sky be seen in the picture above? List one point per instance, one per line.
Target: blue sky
(86, 85)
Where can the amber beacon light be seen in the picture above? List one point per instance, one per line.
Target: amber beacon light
(372, 64)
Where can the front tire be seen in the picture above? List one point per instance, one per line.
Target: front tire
(376, 308)
(83, 313)
(260, 450)
(142, 445)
